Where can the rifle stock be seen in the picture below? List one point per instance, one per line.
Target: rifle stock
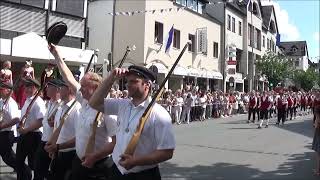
(91, 140)
(136, 136)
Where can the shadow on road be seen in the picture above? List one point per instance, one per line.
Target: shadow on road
(298, 167)
(301, 127)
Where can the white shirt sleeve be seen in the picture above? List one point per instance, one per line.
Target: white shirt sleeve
(112, 106)
(40, 109)
(14, 110)
(164, 136)
(111, 125)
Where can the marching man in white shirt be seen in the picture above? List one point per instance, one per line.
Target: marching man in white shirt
(9, 117)
(30, 135)
(156, 143)
(42, 159)
(64, 149)
(85, 165)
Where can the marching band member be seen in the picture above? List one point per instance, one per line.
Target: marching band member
(282, 105)
(252, 107)
(10, 115)
(64, 148)
(42, 159)
(30, 135)
(265, 106)
(84, 91)
(156, 143)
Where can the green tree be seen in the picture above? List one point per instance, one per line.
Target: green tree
(276, 67)
(306, 79)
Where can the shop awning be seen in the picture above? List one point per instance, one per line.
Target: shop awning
(194, 72)
(31, 45)
(216, 75)
(179, 70)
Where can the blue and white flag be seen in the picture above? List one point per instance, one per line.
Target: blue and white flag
(169, 41)
(278, 40)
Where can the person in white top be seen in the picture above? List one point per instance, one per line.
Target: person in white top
(42, 159)
(186, 109)
(156, 143)
(64, 149)
(178, 107)
(10, 115)
(84, 123)
(30, 135)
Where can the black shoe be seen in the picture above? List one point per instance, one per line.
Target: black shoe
(248, 122)
(259, 127)
(277, 123)
(266, 126)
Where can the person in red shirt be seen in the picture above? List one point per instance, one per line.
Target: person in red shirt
(282, 105)
(290, 106)
(264, 107)
(252, 106)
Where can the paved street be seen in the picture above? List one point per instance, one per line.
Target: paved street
(228, 149)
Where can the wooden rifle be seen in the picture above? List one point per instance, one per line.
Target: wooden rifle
(22, 122)
(92, 138)
(54, 137)
(145, 116)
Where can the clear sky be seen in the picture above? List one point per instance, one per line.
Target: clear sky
(299, 20)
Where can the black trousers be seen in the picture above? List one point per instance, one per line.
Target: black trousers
(41, 163)
(100, 171)
(264, 114)
(252, 111)
(290, 112)
(6, 152)
(61, 164)
(26, 147)
(193, 113)
(149, 174)
(281, 115)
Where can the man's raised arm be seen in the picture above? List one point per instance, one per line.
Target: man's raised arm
(97, 99)
(63, 68)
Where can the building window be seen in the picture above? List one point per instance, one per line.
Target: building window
(297, 63)
(215, 49)
(250, 34)
(158, 33)
(182, 2)
(192, 4)
(268, 44)
(263, 41)
(229, 22)
(233, 24)
(200, 6)
(257, 39)
(240, 28)
(176, 39)
(191, 46)
(72, 7)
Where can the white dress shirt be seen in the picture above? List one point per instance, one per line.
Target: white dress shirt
(156, 135)
(52, 106)
(37, 111)
(68, 129)
(83, 125)
(10, 111)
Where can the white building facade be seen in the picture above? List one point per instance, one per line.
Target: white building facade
(200, 64)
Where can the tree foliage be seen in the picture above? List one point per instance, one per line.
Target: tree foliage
(276, 67)
(306, 79)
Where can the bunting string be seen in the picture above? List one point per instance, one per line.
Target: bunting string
(152, 11)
